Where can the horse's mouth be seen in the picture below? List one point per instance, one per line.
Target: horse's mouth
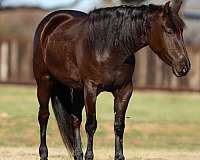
(182, 71)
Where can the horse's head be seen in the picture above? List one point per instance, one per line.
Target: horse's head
(166, 38)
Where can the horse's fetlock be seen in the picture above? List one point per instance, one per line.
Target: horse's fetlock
(119, 157)
(78, 155)
(43, 152)
(89, 155)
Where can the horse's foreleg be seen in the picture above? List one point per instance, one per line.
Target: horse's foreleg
(43, 94)
(91, 122)
(122, 98)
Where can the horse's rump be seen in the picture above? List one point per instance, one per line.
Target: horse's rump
(55, 20)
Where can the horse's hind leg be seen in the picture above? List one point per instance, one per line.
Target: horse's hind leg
(122, 97)
(43, 94)
(77, 99)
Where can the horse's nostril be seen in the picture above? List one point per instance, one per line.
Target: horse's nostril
(184, 70)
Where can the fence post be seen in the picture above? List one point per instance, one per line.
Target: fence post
(14, 60)
(158, 72)
(29, 62)
(141, 67)
(25, 61)
(166, 76)
(4, 62)
(194, 76)
(174, 82)
(151, 67)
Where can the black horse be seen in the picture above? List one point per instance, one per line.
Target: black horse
(78, 55)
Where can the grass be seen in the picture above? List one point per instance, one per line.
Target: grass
(155, 120)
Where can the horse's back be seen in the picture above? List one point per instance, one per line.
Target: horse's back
(53, 19)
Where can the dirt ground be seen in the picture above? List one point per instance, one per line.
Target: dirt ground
(100, 154)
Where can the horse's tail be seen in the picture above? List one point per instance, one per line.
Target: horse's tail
(61, 97)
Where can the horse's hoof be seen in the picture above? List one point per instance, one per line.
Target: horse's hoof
(89, 156)
(119, 157)
(79, 156)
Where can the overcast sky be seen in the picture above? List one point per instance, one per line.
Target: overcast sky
(84, 5)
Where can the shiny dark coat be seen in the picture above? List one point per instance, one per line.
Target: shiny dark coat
(78, 55)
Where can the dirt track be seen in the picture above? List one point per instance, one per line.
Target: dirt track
(101, 154)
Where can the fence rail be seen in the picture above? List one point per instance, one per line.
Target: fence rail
(150, 71)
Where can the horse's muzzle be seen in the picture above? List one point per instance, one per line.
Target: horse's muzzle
(182, 70)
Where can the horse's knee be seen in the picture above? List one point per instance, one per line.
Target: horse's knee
(91, 125)
(43, 115)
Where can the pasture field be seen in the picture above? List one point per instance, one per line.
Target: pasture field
(158, 124)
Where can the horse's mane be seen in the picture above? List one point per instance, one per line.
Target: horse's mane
(109, 27)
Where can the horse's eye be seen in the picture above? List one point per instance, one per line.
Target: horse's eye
(169, 31)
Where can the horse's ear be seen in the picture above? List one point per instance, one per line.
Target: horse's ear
(166, 8)
(176, 5)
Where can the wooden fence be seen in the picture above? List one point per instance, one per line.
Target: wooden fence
(16, 62)
(150, 72)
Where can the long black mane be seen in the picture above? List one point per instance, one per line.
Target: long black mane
(123, 27)
(117, 27)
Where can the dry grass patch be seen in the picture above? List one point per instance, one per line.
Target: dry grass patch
(100, 154)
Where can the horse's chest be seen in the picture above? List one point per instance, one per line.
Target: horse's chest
(115, 77)
(123, 74)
